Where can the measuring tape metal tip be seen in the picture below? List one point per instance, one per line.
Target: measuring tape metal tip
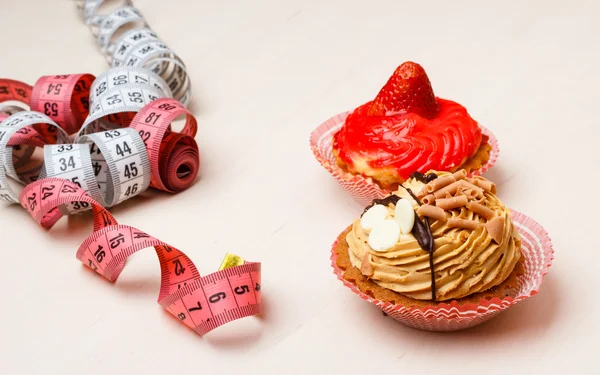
(231, 260)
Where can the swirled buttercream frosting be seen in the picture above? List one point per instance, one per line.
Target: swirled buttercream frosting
(475, 245)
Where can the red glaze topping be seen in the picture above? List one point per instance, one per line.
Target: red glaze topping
(409, 142)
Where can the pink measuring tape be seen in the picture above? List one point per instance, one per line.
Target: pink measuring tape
(202, 303)
(136, 148)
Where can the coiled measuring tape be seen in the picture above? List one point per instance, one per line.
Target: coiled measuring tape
(101, 169)
(137, 44)
(114, 163)
(201, 303)
(63, 98)
(123, 143)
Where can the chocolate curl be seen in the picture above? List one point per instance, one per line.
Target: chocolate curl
(486, 185)
(441, 182)
(495, 228)
(438, 183)
(469, 185)
(459, 175)
(450, 189)
(464, 224)
(481, 210)
(433, 212)
(428, 199)
(451, 203)
(365, 267)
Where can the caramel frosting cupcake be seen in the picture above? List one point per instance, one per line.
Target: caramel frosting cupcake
(442, 236)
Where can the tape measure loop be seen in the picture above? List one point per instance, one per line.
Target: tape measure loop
(156, 56)
(134, 77)
(22, 124)
(130, 41)
(110, 25)
(43, 198)
(217, 298)
(14, 96)
(21, 147)
(90, 10)
(126, 99)
(120, 164)
(174, 157)
(63, 98)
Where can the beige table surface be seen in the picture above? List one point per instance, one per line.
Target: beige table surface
(264, 74)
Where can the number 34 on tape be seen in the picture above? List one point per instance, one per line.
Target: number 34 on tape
(202, 303)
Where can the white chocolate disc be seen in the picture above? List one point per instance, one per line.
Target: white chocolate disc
(374, 215)
(384, 235)
(404, 215)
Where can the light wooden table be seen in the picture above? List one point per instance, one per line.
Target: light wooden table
(264, 74)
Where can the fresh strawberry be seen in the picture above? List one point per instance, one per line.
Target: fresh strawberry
(408, 89)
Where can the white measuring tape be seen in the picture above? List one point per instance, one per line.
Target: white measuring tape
(127, 76)
(14, 124)
(111, 166)
(119, 101)
(126, 39)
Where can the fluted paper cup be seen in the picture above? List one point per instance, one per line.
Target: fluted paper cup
(450, 315)
(364, 189)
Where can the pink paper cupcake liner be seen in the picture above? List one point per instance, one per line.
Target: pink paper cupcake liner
(538, 253)
(364, 189)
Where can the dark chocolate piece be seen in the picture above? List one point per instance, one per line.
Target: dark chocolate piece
(431, 177)
(419, 177)
(422, 232)
(384, 201)
(422, 177)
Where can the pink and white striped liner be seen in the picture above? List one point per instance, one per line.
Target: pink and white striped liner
(538, 252)
(364, 189)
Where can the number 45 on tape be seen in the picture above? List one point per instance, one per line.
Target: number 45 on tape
(202, 303)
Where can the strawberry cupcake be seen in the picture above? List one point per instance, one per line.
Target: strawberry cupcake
(442, 252)
(406, 129)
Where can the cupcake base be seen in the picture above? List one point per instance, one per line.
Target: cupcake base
(537, 254)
